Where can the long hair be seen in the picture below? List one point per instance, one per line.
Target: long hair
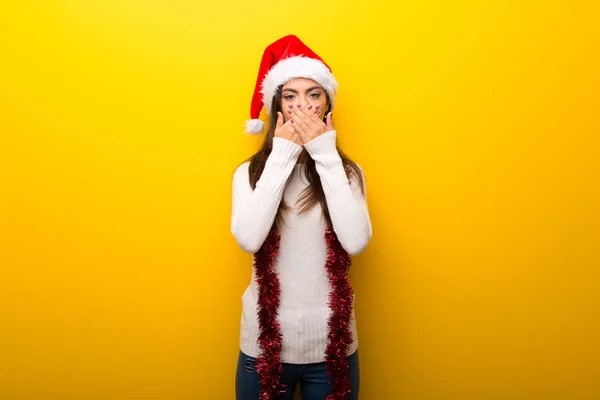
(313, 194)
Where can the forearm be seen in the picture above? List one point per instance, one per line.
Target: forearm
(254, 211)
(347, 205)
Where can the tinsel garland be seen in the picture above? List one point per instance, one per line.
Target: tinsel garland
(340, 302)
(268, 364)
(270, 340)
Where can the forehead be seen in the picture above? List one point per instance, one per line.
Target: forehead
(300, 84)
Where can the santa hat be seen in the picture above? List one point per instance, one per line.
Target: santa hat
(283, 60)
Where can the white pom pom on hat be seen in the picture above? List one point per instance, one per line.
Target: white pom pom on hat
(254, 126)
(283, 60)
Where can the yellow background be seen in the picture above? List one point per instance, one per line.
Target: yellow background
(476, 122)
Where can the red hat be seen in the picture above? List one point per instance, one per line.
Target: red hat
(283, 60)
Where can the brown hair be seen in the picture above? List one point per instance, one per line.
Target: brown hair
(313, 194)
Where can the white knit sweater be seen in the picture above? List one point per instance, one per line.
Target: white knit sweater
(304, 306)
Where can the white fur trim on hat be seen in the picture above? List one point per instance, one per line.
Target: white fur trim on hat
(297, 67)
(254, 126)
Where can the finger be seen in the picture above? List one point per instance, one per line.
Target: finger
(290, 128)
(300, 113)
(315, 117)
(302, 121)
(279, 120)
(309, 113)
(330, 121)
(297, 128)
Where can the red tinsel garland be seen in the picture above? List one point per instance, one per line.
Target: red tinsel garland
(340, 302)
(270, 339)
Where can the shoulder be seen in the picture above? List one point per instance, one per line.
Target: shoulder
(241, 172)
(243, 167)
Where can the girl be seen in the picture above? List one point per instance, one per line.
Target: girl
(299, 206)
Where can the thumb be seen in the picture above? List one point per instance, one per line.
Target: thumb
(330, 122)
(279, 119)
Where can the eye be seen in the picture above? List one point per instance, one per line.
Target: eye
(315, 95)
(288, 97)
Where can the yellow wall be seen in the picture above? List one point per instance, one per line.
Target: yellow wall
(477, 124)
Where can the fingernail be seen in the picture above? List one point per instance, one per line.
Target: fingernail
(292, 120)
(299, 105)
(289, 112)
(317, 112)
(317, 107)
(291, 106)
(309, 107)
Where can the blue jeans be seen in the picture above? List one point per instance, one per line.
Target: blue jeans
(313, 379)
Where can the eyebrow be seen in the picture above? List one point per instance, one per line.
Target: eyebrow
(307, 90)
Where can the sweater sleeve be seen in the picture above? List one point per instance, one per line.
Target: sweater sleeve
(253, 211)
(346, 203)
